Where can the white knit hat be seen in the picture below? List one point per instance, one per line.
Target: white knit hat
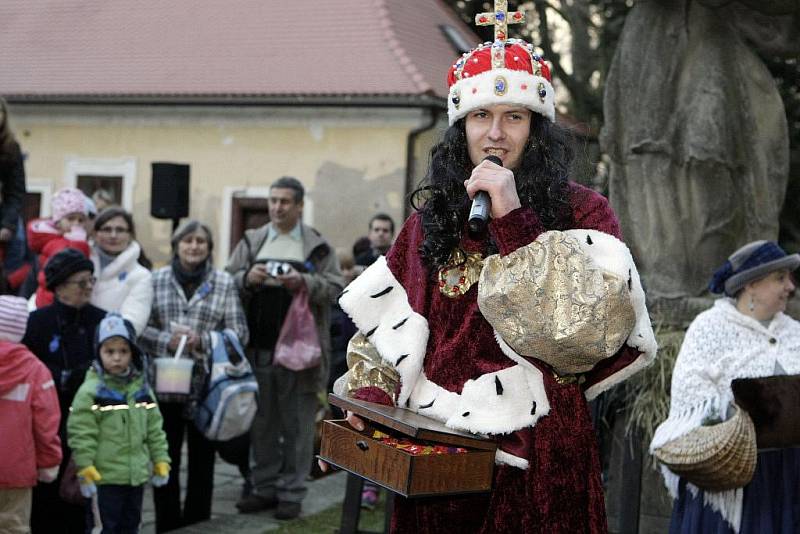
(13, 318)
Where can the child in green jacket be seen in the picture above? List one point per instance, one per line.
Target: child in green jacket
(115, 428)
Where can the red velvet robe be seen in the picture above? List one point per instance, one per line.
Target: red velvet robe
(561, 491)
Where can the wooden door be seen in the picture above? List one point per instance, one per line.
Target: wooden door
(31, 206)
(246, 213)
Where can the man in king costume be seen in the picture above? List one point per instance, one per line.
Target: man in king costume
(506, 332)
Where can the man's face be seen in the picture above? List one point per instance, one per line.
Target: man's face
(500, 130)
(380, 235)
(284, 211)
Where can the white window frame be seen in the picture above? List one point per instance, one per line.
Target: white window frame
(126, 167)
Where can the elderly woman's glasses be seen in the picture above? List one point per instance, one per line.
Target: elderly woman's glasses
(83, 284)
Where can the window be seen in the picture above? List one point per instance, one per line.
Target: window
(456, 39)
(116, 175)
(89, 183)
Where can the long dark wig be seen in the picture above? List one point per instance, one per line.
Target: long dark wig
(541, 184)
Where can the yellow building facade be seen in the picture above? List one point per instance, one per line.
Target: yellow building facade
(353, 161)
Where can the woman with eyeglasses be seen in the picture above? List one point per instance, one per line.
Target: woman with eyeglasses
(61, 335)
(123, 285)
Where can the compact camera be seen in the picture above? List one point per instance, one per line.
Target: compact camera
(277, 268)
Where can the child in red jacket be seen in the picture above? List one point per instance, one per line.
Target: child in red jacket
(65, 229)
(29, 418)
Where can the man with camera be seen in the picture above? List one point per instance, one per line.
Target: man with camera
(271, 265)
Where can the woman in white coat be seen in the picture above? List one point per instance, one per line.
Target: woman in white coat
(123, 284)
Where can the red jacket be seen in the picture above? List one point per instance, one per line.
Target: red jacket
(47, 241)
(29, 417)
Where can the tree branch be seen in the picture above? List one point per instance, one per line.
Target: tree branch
(580, 90)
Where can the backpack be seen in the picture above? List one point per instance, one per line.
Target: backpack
(230, 400)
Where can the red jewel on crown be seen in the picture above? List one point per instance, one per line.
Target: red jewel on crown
(483, 20)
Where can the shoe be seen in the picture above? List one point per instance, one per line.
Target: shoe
(255, 503)
(287, 510)
(369, 498)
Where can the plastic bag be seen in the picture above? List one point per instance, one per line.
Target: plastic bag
(298, 346)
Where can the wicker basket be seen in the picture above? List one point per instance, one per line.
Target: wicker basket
(718, 457)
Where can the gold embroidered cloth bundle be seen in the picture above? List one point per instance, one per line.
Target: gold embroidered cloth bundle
(551, 302)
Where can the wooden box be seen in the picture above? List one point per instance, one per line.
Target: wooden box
(773, 403)
(398, 470)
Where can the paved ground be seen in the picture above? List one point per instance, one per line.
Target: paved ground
(323, 493)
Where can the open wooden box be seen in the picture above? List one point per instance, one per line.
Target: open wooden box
(398, 470)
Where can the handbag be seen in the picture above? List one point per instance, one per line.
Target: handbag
(69, 489)
(298, 345)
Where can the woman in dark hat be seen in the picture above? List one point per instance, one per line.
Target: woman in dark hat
(61, 336)
(746, 334)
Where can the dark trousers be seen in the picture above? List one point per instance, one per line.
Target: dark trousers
(120, 508)
(200, 473)
(50, 514)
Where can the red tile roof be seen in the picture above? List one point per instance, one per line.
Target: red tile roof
(230, 48)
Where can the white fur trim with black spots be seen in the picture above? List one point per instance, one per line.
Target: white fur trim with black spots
(378, 305)
(612, 255)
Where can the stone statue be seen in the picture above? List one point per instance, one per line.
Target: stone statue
(696, 133)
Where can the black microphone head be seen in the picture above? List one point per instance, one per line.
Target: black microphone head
(494, 159)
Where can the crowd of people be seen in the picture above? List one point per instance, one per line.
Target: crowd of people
(83, 336)
(507, 330)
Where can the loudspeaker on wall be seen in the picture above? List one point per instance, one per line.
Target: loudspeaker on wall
(169, 192)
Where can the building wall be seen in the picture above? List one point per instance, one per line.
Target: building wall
(352, 161)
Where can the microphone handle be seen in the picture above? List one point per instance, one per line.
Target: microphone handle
(481, 204)
(479, 214)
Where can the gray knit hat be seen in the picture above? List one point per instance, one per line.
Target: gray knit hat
(753, 261)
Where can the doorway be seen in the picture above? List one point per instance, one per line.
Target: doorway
(247, 213)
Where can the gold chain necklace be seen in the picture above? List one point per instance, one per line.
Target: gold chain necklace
(462, 271)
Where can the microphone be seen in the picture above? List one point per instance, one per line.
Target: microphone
(481, 204)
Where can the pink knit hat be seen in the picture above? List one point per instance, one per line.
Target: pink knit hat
(13, 318)
(66, 201)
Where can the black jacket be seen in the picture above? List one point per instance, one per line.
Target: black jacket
(12, 194)
(63, 338)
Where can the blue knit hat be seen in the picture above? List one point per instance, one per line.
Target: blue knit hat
(753, 261)
(114, 325)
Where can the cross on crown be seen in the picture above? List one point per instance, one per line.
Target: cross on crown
(500, 18)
